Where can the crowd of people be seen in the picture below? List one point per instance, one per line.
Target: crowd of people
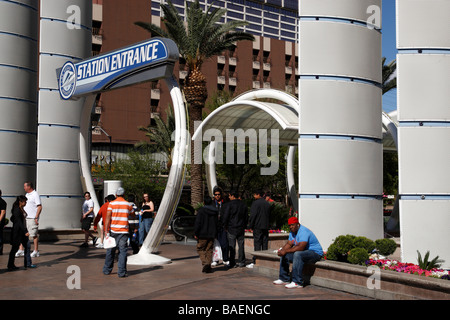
(219, 225)
(224, 221)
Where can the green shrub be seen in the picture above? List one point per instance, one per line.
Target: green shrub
(358, 256)
(344, 243)
(332, 253)
(385, 247)
(363, 242)
(340, 247)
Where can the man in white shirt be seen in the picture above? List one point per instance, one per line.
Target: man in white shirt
(87, 218)
(33, 209)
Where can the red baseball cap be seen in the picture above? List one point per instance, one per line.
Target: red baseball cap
(292, 220)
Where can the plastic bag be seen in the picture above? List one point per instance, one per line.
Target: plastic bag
(109, 243)
(217, 252)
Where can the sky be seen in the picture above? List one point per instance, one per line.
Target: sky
(389, 48)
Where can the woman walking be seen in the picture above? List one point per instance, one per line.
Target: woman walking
(19, 234)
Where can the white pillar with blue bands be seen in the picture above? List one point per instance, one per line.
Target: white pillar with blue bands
(423, 78)
(340, 148)
(18, 98)
(65, 34)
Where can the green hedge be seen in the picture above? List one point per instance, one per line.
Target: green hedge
(356, 249)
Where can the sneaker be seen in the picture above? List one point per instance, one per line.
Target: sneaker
(35, 254)
(20, 253)
(100, 246)
(293, 285)
(227, 263)
(250, 266)
(214, 264)
(279, 282)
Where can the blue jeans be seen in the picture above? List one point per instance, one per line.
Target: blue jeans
(298, 260)
(144, 228)
(121, 244)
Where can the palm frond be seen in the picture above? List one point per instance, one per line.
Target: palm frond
(389, 81)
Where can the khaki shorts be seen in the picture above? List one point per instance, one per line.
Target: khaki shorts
(32, 227)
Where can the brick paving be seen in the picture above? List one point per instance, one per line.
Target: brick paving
(180, 280)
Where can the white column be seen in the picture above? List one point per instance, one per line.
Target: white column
(423, 77)
(18, 99)
(340, 148)
(65, 34)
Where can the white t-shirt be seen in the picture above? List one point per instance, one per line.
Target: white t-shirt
(33, 201)
(87, 205)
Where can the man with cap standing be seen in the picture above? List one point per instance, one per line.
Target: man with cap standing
(301, 248)
(116, 226)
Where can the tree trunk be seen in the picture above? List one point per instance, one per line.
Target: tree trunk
(196, 165)
(196, 94)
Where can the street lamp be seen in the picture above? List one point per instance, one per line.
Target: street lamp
(110, 145)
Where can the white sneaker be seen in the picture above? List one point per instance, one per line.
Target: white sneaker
(214, 264)
(35, 254)
(279, 282)
(226, 263)
(293, 285)
(250, 266)
(100, 246)
(20, 253)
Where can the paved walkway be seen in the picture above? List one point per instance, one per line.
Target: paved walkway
(182, 279)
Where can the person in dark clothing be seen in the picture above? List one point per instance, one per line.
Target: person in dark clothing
(205, 231)
(259, 221)
(235, 220)
(2, 220)
(19, 234)
(221, 233)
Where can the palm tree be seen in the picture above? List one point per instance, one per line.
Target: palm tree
(389, 81)
(161, 135)
(198, 38)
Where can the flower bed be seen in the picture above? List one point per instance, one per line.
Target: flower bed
(410, 268)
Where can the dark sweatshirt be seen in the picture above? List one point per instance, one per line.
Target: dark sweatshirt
(206, 222)
(259, 214)
(235, 217)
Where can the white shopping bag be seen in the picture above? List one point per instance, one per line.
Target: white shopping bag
(109, 242)
(217, 253)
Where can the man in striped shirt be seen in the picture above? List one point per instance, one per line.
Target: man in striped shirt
(116, 226)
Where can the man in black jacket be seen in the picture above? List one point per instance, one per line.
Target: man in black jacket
(259, 221)
(234, 222)
(205, 231)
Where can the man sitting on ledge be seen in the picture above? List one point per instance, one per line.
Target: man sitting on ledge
(301, 248)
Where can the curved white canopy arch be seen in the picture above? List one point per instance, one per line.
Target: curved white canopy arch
(389, 131)
(253, 115)
(244, 112)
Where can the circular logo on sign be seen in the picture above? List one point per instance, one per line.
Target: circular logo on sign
(67, 80)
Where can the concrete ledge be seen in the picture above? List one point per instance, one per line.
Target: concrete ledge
(359, 279)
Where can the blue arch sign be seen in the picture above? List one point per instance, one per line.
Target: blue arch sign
(145, 61)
